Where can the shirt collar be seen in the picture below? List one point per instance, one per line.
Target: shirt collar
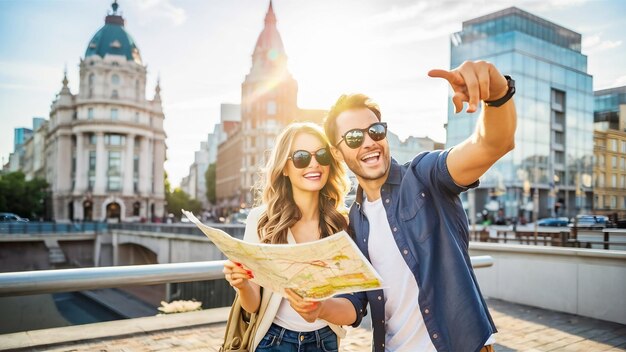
(394, 178)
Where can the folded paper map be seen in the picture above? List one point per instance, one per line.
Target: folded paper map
(315, 270)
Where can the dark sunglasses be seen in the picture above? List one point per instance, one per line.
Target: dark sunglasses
(354, 138)
(302, 158)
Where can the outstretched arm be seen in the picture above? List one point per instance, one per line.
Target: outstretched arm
(494, 135)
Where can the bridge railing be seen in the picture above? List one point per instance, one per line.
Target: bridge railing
(42, 227)
(235, 230)
(66, 280)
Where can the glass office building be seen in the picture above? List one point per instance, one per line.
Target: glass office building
(554, 99)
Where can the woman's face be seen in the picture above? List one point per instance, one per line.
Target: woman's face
(312, 177)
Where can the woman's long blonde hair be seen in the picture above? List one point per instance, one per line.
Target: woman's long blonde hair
(275, 191)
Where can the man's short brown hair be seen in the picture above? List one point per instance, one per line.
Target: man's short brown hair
(344, 103)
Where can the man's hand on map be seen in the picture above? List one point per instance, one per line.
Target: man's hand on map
(308, 310)
(236, 275)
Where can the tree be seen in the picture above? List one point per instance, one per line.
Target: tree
(24, 198)
(209, 179)
(178, 200)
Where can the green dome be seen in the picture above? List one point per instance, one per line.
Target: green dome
(113, 39)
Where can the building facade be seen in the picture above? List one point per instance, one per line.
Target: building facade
(609, 172)
(105, 145)
(554, 140)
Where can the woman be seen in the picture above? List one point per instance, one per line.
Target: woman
(303, 201)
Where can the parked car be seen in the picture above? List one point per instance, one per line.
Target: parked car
(558, 222)
(10, 217)
(591, 221)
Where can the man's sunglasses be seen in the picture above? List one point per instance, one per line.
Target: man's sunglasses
(302, 158)
(354, 138)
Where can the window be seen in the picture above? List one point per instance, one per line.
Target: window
(613, 202)
(622, 181)
(91, 81)
(90, 114)
(614, 162)
(136, 173)
(115, 79)
(613, 145)
(114, 94)
(114, 139)
(93, 139)
(271, 107)
(136, 117)
(614, 181)
(136, 208)
(114, 171)
(114, 114)
(92, 168)
(601, 180)
(623, 143)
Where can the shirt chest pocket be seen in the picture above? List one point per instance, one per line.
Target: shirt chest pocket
(415, 215)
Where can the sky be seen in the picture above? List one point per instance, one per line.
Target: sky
(201, 50)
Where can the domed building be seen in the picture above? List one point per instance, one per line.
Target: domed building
(105, 146)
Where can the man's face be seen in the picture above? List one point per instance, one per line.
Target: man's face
(371, 160)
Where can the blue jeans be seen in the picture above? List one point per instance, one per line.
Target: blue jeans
(278, 339)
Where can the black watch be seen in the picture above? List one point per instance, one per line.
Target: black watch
(509, 93)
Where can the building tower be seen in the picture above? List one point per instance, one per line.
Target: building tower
(105, 146)
(268, 101)
(554, 139)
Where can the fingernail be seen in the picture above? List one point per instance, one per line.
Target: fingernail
(249, 272)
(238, 264)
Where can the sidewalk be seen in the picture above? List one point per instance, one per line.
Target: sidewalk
(521, 328)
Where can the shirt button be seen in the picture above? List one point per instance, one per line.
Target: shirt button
(383, 321)
(365, 240)
(426, 311)
(383, 345)
(423, 195)
(405, 252)
(380, 298)
(395, 229)
(435, 335)
(387, 200)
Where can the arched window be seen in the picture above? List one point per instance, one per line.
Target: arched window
(115, 79)
(91, 81)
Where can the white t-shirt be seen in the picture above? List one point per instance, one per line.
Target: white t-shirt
(405, 328)
(288, 318)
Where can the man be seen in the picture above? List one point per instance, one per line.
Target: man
(409, 222)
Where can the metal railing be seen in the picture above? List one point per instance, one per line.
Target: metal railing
(235, 230)
(66, 280)
(41, 227)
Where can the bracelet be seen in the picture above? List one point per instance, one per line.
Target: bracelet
(509, 93)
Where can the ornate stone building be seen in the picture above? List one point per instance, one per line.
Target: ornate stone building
(105, 145)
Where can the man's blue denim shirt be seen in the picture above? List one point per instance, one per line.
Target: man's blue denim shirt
(431, 230)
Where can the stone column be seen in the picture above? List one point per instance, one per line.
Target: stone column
(128, 165)
(64, 165)
(159, 161)
(81, 175)
(145, 158)
(101, 165)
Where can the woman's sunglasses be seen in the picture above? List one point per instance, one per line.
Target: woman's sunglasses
(302, 158)
(354, 138)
